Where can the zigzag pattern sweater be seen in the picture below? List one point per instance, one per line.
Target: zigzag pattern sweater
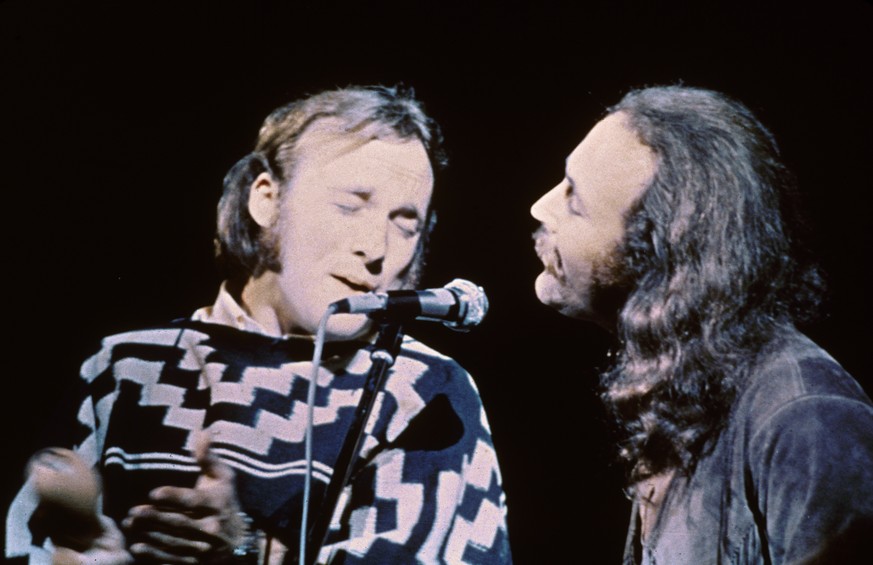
(427, 488)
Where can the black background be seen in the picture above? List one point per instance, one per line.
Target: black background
(119, 120)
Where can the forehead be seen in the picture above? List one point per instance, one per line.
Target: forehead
(353, 161)
(612, 160)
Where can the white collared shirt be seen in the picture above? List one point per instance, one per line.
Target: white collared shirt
(228, 312)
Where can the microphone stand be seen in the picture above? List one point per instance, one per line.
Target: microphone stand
(387, 347)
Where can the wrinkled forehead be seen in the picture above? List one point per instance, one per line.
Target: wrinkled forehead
(337, 131)
(331, 137)
(360, 160)
(324, 142)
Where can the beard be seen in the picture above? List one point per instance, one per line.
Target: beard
(611, 285)
(595, 290)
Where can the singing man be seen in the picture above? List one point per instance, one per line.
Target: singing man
(745, 441)
(197, 427)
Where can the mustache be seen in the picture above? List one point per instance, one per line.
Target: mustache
(540, 238)
(548, 253)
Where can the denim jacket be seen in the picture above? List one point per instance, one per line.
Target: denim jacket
(789, 479)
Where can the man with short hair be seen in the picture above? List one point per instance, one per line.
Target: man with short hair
(198, 427)
(746, 442)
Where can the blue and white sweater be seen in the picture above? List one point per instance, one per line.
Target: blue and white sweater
(427, 487)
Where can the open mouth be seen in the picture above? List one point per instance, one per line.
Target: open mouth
(557, 266)
(355, 285)
(552, 264)
(549, 256)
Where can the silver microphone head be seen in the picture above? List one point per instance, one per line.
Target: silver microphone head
(473, 304)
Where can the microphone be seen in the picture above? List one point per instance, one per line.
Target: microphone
(459, 305)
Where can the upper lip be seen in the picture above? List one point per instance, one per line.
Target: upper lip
(541, 244)
(546, 251)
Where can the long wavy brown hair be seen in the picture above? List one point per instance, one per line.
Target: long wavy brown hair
(714, 273)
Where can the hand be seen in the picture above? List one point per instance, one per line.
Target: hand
(67, 489)
(107, 549)
(189, 525)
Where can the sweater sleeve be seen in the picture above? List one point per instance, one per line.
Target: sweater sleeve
(23, 541)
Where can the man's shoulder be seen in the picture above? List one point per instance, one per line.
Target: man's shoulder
(793, 377)
(413, 347)
(440, 371)
(794, 366)
(417, 351)
(156, 334)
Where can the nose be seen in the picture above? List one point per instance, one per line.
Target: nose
(544, 208)
(370, 243)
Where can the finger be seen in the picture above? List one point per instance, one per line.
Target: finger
(202, 441)
(103, 557)
(197, 500)
(213, 467)
(98, 556)
(210, 464)
(111, 540)
(65, 556)
(143, 521)
(107, 549)
(145, 552)
(208, 496)
(147, 516)
(175, 545)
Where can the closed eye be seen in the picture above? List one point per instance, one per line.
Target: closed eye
(408, 221)
(352, 201)
(574, 205)
(347, 208)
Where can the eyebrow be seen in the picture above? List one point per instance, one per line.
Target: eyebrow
(363, 193)
(570, 180)
(567, 174)
(408, 212)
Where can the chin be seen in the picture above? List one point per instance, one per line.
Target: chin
(342, 327)
(570, 303)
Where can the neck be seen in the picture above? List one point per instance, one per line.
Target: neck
(260, 299)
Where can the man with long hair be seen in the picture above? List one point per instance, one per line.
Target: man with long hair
(745, 441)
(198, 428)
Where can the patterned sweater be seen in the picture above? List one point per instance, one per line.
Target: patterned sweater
(427, 486)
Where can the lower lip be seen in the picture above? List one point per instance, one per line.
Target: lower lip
(550, 270)
(354, 288)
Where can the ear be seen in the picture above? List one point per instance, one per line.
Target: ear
(264, 200)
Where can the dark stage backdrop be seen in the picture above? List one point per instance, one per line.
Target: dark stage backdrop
(119, 120)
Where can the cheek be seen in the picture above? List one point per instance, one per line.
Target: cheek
(401, 252)
(306, 240)
(607, 229)
(591, 244)
(576, 253)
